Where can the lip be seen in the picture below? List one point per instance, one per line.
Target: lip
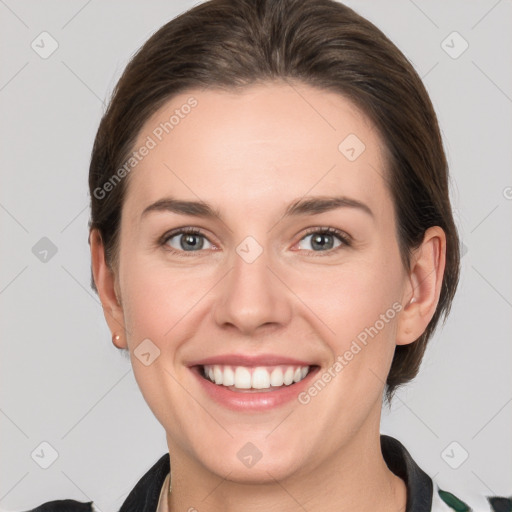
(252, 401)
(250, 361)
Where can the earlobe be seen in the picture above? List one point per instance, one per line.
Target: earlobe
(105, 280)
(425, 279)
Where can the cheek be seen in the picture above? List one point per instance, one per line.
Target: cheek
(359, 303)
(361, 311)
(157, 306)
(350, 298)
(158, 299)
(367, 324)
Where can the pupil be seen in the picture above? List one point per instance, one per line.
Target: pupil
(322, 241)
(191, 241)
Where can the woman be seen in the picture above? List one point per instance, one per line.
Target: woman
(273, 244)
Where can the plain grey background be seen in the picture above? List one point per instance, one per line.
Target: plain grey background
(62, 380)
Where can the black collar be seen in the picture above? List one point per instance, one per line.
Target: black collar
(419, 484)
(144, 497)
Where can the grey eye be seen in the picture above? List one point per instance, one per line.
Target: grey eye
(320, 241)
(188, 242)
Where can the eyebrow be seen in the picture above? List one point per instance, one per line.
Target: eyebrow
(302, 206)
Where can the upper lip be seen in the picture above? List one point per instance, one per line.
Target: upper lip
(250, 360)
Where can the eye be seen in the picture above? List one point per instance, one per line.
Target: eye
(317, 240)
(323, 240)
(188, 240)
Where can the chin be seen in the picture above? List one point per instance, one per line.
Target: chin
(262, 472)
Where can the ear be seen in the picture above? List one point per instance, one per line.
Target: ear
(424, 286)
(106, 284)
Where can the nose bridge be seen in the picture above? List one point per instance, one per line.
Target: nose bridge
(251, 295)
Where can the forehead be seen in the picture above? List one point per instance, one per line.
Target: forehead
(265, 141)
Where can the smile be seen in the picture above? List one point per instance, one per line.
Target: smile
(243, 378)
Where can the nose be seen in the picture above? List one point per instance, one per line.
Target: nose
(252, 298)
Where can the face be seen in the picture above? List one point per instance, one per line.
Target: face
(258, 248)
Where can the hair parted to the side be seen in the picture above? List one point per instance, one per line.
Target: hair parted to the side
(230, 44)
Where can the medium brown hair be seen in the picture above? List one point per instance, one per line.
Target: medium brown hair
(231, 44)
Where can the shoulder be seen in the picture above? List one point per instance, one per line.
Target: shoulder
(425, 495)
(143, 497)
(65, 506)
(445, 501)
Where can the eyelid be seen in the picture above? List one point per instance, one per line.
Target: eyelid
(345, 237)
(183, 230)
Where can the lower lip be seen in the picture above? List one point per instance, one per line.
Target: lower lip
(253, 401)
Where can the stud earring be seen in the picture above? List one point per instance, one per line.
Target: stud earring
(412, 300)
(115, 339)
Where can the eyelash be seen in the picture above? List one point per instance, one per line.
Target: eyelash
(345, 239)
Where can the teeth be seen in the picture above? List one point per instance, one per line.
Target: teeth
(242, 378)
(261, 377)
(228, 378)
(217, 374)
(288, 376)
(276, 377)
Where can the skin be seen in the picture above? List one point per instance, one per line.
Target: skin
(250, 154)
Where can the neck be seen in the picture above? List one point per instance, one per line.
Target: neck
(354, 478)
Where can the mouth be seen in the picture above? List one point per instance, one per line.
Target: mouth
(245, 379)
(242, 385)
